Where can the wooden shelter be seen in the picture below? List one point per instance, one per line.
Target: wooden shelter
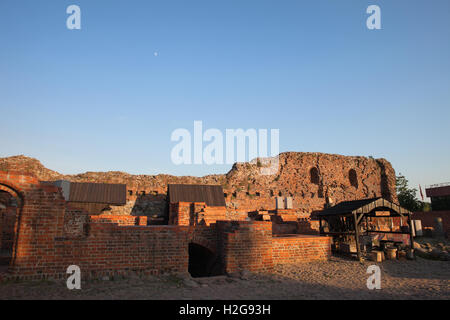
(345, 219)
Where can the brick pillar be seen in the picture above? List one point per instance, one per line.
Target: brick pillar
(246, 245)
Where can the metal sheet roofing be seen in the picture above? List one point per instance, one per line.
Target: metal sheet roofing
(212, 195)
(361, 206)
(88, 192)
(98, 193)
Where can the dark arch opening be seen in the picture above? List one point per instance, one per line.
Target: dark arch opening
(314, 175)
(106, 210)
(203, 262)
(9, 209)
(353, 178)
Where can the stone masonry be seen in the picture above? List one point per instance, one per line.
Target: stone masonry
(311, 179)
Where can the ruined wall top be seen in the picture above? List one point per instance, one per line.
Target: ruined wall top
(311, 179)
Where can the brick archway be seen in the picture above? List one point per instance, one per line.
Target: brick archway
(9, 223)
(205, 236)
(39, 220)
(13, 190)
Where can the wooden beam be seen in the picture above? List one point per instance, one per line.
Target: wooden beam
(338, 233)
(359, 218)
(358, 248)
(411, 238)
(393, 232)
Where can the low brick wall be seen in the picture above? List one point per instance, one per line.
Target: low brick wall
(120, 220)
(249, 245)
(300, 248)
(110, 249)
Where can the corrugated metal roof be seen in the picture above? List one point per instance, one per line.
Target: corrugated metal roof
(362, 206)
(98, 193)
(212, 195)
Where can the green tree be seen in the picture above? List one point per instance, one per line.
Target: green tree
(406, 195)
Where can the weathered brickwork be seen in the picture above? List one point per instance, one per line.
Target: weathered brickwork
(311, 179)
(120, 220)
(195, 213)
(111, 249)
(2, 226)
(206, 236)
(75, 223)
(246, 245)
(300, 248)
(50, 235)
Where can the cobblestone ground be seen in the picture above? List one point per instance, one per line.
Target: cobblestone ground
(336, 279)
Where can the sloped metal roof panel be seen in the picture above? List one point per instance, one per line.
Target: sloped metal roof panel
(98, 193)
(212, 195)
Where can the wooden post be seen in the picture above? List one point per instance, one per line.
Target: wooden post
(358, 248)
(411, 238)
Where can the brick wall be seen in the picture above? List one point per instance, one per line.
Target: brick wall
(300, 248)
(44, 247)
(2, 212)
(112, 249)
(120, 220)
(246, 245)
(51, 236)
(428, 219)
(205, 236)
(246, 189)
(195, 213)
(180, 214)
(75, 222)
(7, 224)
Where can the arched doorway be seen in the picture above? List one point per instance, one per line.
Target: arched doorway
(9, 207)
(203, 262)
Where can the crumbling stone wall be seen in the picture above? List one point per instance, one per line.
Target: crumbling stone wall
(335, 178)
(75, 222)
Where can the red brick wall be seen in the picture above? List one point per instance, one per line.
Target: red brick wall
(300, 248)
(7, 224)
(2, 212)
(195, 213)
(205, 236)
(120, 220)
(112, 249)
(43, 247)
(180, 214)
(428, 219)
(246, 245)
(75, 222)
(50, 237)
(210, 215)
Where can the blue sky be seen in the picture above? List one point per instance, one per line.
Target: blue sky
(100, 99)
